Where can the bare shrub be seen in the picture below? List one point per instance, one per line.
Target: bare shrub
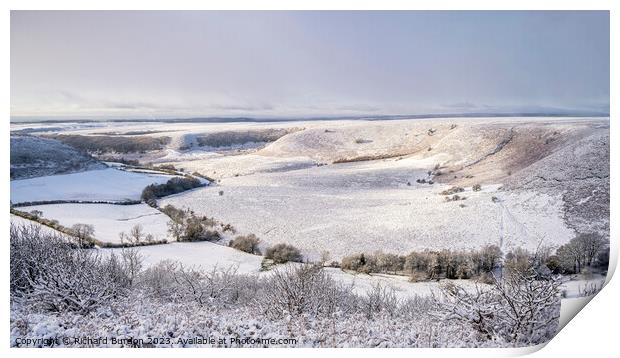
(282, 253)
(453, 190)
(197, 229)
(204, 286)
(359, 262)
(380, 300)
(248, 243)
(158, 281)
(132, 264)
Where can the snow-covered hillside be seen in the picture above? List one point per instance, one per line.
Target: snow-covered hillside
(34, 157)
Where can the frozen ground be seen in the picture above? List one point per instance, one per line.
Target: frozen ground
(106, 185)
(109, 220)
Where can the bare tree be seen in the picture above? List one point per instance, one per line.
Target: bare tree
(580, 252)
(136, 234)
(132, 263)
(176, 227)
(84, 234)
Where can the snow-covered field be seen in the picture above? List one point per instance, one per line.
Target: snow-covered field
(362, 283)
(205, 255)
(106, 185)
(578, 285)
(368, 206)
(109, 220)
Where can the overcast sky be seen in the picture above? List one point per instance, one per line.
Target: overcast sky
(263, 64)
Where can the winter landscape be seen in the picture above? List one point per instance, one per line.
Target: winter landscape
(397, 216)
(219, 199)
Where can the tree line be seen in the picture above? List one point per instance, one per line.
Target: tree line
(585, 251)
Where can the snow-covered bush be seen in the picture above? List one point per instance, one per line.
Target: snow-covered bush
(54, 276)
(58, 289)
(519, 310)
(380, 300)
(158, 281)
(306, 289)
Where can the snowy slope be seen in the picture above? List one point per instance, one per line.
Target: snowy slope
(109, 220)
(34, 157)
(206, 255)
(106, 184)
(19, 221)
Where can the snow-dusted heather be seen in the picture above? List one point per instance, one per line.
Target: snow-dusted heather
(109, 220)
(107, 185)
(368, 206)
(206, 255)
(182, 324)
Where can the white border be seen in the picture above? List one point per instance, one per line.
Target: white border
(593, 332)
